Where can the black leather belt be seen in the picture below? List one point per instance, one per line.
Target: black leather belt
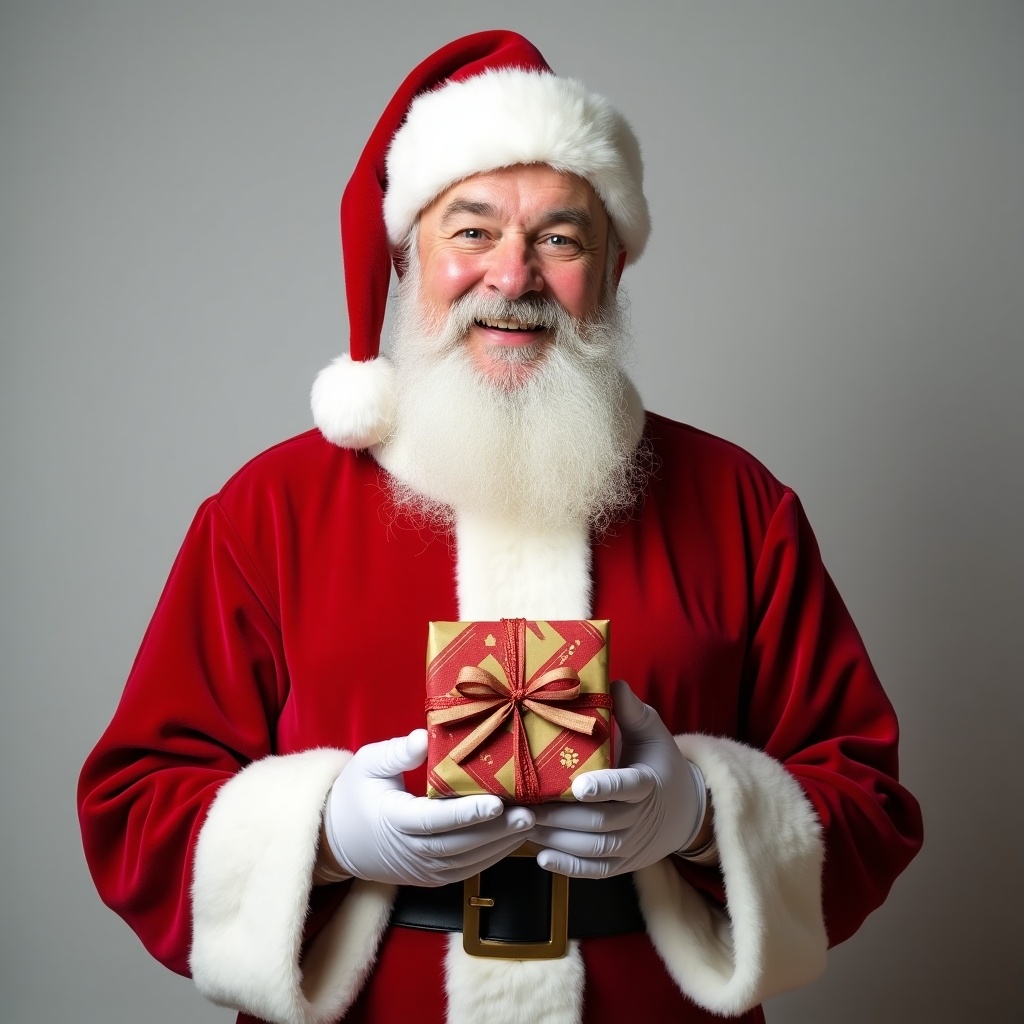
(517, 910)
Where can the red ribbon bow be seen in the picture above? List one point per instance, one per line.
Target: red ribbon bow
(477, 691)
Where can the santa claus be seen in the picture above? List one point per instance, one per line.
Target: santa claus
(255, 808)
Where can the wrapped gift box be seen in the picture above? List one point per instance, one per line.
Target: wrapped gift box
(516, 708)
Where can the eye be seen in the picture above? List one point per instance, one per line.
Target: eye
(471, 234)
(564, 242)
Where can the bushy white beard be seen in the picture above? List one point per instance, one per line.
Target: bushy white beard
(560, 448)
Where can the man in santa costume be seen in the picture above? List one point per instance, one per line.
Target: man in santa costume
(255, 808)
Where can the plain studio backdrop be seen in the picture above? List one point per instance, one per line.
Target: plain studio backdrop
(835, 281)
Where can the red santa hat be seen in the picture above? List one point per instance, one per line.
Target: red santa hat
(483, 102)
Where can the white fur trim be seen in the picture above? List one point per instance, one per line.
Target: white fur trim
(250, 893)
(508, 570)
(353, 403)
(771, 936)
(339, 959)
(513, 991)
(511, 116)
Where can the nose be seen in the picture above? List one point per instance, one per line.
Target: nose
(512, 269)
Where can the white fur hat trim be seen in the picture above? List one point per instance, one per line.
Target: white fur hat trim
(506, 117)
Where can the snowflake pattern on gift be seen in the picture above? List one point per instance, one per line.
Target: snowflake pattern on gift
(569, 757)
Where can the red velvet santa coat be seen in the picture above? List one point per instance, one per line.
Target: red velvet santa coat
(292, 630)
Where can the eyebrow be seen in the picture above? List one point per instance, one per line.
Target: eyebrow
(570, 215)
(566, 215)
(458, 206)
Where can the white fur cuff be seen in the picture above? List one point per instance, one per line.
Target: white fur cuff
(250, 893)
(771, 936)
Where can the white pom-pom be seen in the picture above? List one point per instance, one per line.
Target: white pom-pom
(354, 403)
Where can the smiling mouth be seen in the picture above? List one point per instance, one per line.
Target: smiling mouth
(512, 326)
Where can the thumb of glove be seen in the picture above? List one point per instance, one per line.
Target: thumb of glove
(647, 738)
(636, 719)
(389, 758)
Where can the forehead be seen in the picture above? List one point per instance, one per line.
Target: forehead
(521, 193)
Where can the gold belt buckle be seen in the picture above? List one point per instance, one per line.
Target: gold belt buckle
(550, 949)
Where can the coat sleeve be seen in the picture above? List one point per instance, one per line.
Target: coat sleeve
(197, 830)
(199, 705)
(811, 822)
(817, 706)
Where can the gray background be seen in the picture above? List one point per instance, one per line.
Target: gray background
(835, 281)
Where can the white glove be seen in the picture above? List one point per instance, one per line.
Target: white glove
(378, 831)
(628, 817)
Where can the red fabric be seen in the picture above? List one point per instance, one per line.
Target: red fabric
(367, 256)
(297, 591)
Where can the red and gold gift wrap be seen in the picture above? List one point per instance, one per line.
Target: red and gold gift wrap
(516, 708)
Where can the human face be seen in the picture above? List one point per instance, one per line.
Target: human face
(519, 232)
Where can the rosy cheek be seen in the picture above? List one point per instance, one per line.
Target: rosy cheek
(457, 275)
(576, 291)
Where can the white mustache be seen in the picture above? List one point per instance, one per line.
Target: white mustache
(542, 312)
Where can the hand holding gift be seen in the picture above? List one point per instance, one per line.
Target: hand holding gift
(627, 817)
(378, 831)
